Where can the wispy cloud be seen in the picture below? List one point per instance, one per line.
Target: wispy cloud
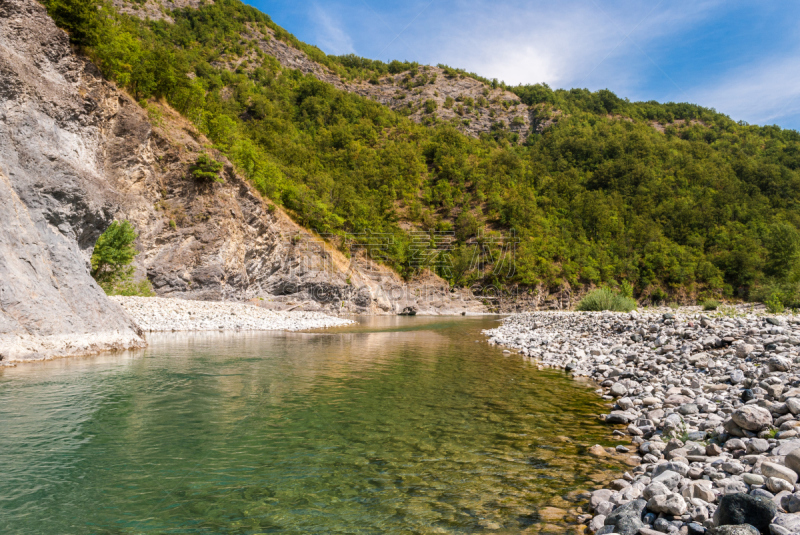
(759, 94)
(330, 32)
(573, 43)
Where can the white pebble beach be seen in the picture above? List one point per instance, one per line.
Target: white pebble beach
(159, 314)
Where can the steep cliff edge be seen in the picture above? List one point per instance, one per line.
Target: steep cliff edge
(76, 153)
(54, 201)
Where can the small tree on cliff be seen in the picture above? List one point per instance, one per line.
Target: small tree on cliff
(111, 261)
(81, 18)
(206, 169)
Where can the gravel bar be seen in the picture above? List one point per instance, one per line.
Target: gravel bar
(710, 403)
(155, 314)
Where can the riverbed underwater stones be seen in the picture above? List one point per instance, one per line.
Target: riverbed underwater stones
(392, 426)
(710, 405)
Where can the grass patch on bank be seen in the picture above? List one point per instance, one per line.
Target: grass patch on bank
(606, 299)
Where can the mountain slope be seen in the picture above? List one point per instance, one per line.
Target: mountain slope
(76, 153)
(472, 106)
(678, 200)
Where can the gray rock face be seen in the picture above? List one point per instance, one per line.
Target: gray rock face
(741, 508)
(53, 202)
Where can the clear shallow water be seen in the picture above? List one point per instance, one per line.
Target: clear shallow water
(396, 425)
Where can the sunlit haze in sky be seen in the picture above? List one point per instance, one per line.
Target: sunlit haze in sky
(741, 58)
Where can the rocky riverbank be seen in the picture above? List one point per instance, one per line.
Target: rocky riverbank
(155, 314)
(711, 404)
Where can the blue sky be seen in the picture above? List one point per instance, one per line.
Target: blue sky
(742, 58)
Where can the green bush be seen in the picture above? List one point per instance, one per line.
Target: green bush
(430, 106)
(709, 304)
(605, 299)
(141, 288)
(626, 289)
(775, 303)
(206, 169)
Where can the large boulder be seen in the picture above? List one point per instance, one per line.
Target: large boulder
(618, 390)
(672, 466)
(793, 404)
(671, 504)
(668, 478)
(752, 417)
(776, 470)
(779, 364)
(656, 488)
(740, 508)
(627, 519)
(600, 496)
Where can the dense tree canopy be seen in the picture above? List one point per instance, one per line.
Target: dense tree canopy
(674, 198)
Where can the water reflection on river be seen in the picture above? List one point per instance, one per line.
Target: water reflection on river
(395, 425)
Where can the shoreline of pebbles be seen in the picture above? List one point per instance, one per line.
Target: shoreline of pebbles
(163, 314)
(711, 403)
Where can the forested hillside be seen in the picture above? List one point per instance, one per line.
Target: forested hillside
(678, 200)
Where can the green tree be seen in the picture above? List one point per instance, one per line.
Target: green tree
(466, 226)
(81, 18)
(113, 253)
(782, 247)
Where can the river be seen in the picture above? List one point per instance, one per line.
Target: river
(393, 425)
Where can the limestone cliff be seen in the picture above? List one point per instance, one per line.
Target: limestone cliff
(54, 199)
(76, 153)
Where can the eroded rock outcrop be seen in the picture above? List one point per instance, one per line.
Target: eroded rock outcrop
(76, 153)
(54, 201)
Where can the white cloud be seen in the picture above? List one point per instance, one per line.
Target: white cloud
(566, 44)
(638, 49)
(330, 34)
(758, 94)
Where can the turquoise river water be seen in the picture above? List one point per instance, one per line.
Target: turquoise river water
(394, 425)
